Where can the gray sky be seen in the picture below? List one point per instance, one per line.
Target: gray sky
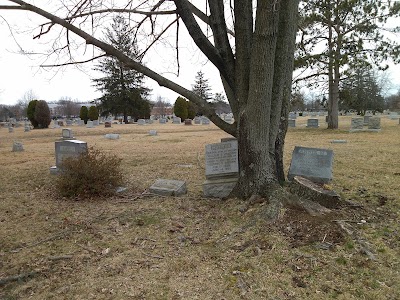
(20, 73)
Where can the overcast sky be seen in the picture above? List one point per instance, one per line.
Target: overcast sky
(20, 73)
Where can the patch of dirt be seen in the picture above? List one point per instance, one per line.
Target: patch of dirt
(301, 229)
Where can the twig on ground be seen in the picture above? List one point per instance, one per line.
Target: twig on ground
(18, 277)
(153, 256)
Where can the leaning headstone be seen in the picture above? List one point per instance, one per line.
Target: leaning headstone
(188, 122)
(292, 123)
(141, 122)
(176, 120)
(311, 163)
(222, 169)
(67, 133)
(312, 123)
(357, 124)
(112, 136)
(167, 187)
(17, 147)
(153, 132)
(374, 124)
(89, 124)
(162, 121)
(66, 149)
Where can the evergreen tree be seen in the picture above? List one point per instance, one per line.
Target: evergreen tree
(201, 87)
(30, 112)
(181, 108)
(93, 113)
(42, 114)
(83, 114)
(123, 89)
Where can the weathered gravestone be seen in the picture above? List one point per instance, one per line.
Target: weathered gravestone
(357, 124)
(222, 168)
(176, 120)
(162, 121)
(68, 122)
(167, 187)
(311, 163)
(292, 123)
(112, 136)
(188, 122)
(205, 121)
(141, 122)
(197, 121)
(17, 147)
(10, 129)
(89, 124)
(66, 149)
(153, 132)
(96, 123)
(312, 123)
(67, 134)
(366, 120)
(107, 124)
(374, 124)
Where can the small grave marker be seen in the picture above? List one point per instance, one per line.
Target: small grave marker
(312, 123)
(89, 124)
(67, 148)
(141, 122)
(188, 122)
(176, 120)
(291, 123)
(17, 147)
(67, 133)
(112, 136)
(153, 132)
(167, 187)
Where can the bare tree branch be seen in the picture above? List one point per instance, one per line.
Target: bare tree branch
(73, 63)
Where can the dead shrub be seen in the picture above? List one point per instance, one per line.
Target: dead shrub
(93, 173)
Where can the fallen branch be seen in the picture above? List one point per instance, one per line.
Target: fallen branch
(18, 277)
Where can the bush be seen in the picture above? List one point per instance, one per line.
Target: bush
(83, 114)
(30, 113)
(181, 108)
(93, 173)
(93, 113)
(42, 114)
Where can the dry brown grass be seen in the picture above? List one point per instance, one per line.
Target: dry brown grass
(141, 247)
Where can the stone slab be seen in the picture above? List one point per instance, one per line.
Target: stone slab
(222, 159)
(68, 148)
(112, 136)
(311, 163)
(219, 188)
(168, 187)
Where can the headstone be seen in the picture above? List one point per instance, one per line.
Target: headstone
(311, 163)
(357, 124)
(366, 120)
(162, 121)
(17, 147)
(205, 121)
(222, 168)
(167, 187)
(312, 123)
(95, 122)
(188, 122)
(112, 136)
(339, 141)
(107, 124)
(69, 122)
(67, 133)
(292, 116)
(67, 148)
(292, 123)
(374, 123)
(176, 120)
(197, 121)
(60, 122)
(141, 122)
(153, 132)
(10, 129)
(89, 124)
(27, 128)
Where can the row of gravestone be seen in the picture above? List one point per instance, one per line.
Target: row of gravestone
(357, 124)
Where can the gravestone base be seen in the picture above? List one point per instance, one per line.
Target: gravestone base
(364, 130)
(219, 187)
(315, 192)
(167, 187)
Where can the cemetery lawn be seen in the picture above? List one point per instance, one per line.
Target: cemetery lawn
(141, 246)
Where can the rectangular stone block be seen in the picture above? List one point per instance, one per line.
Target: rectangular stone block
(311, 163)
(222, 159)
(68, 148)
(167, 187)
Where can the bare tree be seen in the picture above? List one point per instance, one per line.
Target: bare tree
(252, 48)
